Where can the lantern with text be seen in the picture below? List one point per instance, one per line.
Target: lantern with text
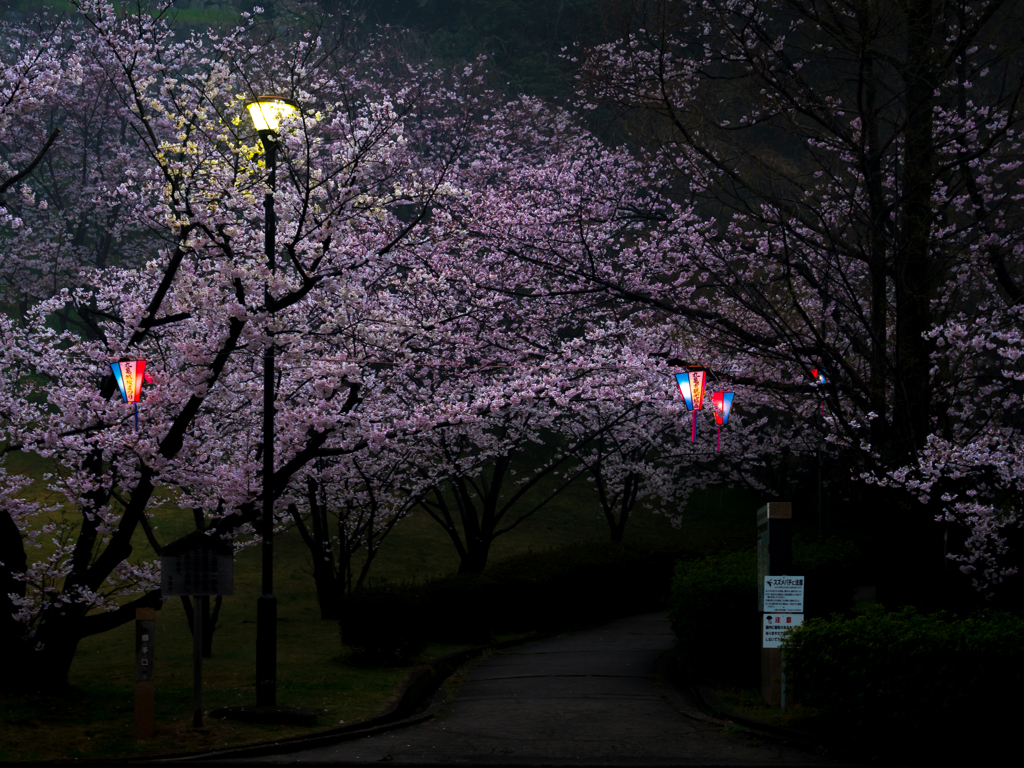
(691, 387)
(129, 375)
(722, 403)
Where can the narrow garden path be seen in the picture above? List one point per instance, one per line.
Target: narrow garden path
(589, 698)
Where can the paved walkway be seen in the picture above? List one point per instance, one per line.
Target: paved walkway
(587, 698)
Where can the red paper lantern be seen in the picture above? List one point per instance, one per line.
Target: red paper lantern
(691, 387)
(129, 375)
(722, 403)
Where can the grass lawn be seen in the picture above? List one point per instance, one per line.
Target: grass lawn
(748, 703)
(95, 718)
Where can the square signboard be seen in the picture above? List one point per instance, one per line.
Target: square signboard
(777, 623)
(783, 593)
(197, 565)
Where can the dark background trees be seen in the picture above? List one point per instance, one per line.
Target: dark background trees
(861, 161)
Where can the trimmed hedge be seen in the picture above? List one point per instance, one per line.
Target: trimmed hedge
(551, 590)
(714, 606)
(884, 675)
(712, 611)
(389, 630)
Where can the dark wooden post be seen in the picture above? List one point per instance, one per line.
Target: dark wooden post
(145, 633)
(774, 558)
(197, 566)
(198, 609)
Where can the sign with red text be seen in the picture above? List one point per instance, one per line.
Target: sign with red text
(777, 623)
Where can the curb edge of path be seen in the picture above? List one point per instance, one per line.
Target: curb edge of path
(414, 694)
(683, 697)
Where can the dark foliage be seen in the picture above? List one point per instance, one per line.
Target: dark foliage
(935, 676)
(714, 606)
(552, 590)
(385, 626)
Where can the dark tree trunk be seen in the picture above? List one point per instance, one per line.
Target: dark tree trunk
(328, 577)
(12, 555)
(330, 583)
(329, 589)
(474, 560)
(916, 271)
(616, 509)
(209, 621)
(41, 664)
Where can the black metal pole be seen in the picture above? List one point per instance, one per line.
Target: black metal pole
(266, 605)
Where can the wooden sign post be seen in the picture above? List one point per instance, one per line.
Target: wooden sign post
(197, 566)
(145, 634)
(774, 558)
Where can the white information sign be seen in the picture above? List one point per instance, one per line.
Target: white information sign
(784, 594)
(777, 623)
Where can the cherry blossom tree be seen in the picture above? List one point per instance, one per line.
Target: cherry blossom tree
(351, 503)
(32, 73)
(494, 446)
(72, 216)
(845, 195)
(201, 311)
(642, 451)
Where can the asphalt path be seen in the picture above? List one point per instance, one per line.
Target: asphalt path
(587, 698)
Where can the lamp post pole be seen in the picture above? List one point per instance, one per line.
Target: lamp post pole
(266, 113)
(266, 605)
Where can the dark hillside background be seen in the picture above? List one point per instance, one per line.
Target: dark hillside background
(522, 38)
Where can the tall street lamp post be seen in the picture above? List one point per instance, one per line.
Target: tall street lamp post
(266, 113)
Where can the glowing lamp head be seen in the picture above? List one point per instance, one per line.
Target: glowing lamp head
(129, 375)
(722, 403)
(819, 376)
(268, 111)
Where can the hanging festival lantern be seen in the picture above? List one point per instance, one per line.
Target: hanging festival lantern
(129, 375)
(691, 387)
(722, 403)
(820, 379)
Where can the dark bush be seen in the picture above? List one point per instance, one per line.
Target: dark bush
(714, 606)
(877, 677)
(550, 590)
(554, 589)
(385, 625)
(713, 611)
(832, 567)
